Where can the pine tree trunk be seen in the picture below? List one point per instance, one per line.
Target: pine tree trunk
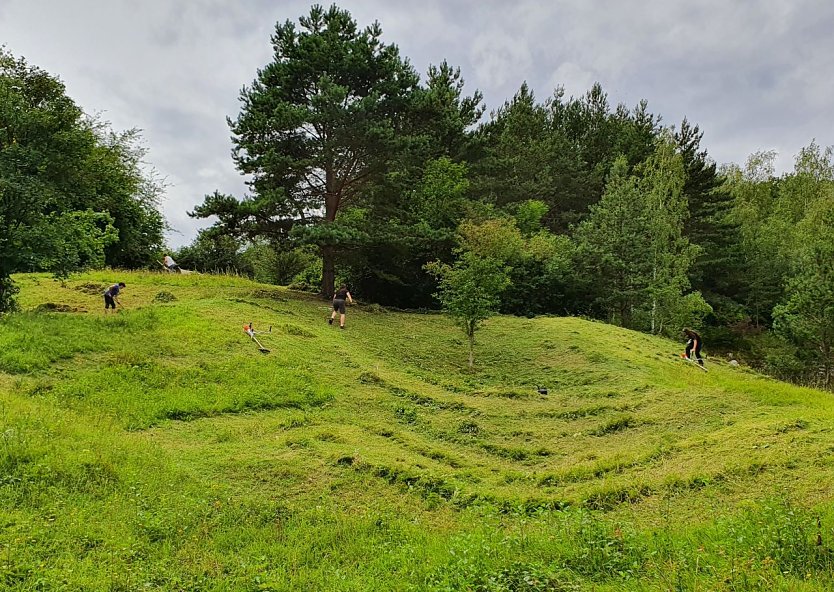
(328, 271)
(328, 252)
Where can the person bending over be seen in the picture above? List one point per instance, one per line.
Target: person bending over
(170, 264)
(111, 296)
(339, 305)
(693, 343)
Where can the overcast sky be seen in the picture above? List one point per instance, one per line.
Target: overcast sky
(754, 74)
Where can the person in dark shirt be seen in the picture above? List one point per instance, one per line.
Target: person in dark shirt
(693, 343)
(339, 305)
(111, 296)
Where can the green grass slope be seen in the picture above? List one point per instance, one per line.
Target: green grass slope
(157, 449)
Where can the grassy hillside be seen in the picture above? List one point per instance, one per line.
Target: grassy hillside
(157, 449)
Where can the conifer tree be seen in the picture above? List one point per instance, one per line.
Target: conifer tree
(631, 248)
(316, 128)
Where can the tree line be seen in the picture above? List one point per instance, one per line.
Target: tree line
(402, 186)
(364, 172)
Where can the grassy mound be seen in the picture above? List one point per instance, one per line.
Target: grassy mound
(158, 449)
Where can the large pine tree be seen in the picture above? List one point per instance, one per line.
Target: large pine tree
(316, 129)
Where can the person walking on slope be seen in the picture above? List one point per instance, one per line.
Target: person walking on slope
(339, 305)
(111, 296)
(693, 343)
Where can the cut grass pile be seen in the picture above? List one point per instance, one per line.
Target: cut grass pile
(157, 449)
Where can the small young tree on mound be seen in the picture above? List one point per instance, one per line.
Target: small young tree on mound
(470, 291)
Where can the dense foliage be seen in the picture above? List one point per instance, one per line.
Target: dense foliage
(72, 193)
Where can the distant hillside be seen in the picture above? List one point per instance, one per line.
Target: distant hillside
(158, 449)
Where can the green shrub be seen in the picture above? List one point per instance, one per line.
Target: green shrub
(163, 297)
(309, 278)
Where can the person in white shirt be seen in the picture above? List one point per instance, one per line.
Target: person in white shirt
(170, 264)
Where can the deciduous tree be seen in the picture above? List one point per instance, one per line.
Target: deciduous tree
(58, 180)
(805, 211)
(470, 291)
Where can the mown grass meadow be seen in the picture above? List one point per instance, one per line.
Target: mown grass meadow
(156, 449)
